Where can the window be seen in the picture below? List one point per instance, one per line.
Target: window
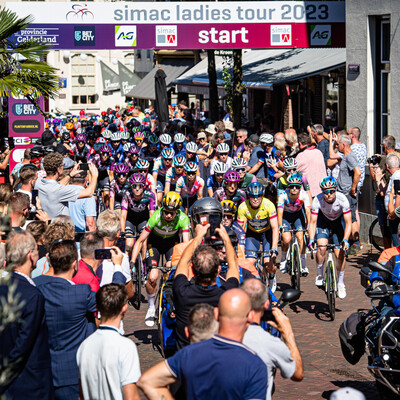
(129, 61)
(83, 80)
(148, 55)
(138, 54)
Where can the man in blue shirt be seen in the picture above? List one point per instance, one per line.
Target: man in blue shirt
(267, 159)
(218, 368)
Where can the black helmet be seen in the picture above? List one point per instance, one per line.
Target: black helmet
(49, 149)
(90, 133)
(84, 123)
(112, 128)
(206, 205)
(219, 242)
(106, 119)
(37, 152)
(129, 125)
(65, 135)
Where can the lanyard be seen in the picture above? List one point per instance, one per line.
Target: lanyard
(109, 328)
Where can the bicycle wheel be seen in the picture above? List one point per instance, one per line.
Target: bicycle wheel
(375, 235)
(159, 322)
(138, 283)
(296, 271)
(330, 290)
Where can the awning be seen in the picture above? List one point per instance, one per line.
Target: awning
(262, 69)
(145, 88)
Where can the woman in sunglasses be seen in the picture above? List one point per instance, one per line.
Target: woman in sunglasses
(118, 186)
(239, 165)
(330, 215)
(174, 173)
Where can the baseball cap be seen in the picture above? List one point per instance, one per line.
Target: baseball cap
(68, 163)
(347, 393)
(201, 135)
(47, 138)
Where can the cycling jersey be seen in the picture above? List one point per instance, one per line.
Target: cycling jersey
(282, 183)
(258, 220)
(183, 189)
(103, 167)
(146, 154)
(248, 178)
(117, 191)
(332, 211)
(164, 229)
(238, 197)
(147, 202)
(265, 157)
(213, 184)
(172, 177)
(160, 167)
(82, 156)
(117, 154)
(150, 183)
(288, 205)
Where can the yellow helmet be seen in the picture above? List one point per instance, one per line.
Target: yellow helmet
(229, 207)
(46, 125)
(172, 201)
(69, 125)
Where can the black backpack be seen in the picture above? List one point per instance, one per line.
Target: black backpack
(352, 337)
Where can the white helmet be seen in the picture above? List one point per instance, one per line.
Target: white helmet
(106, 134)
(191, 147)
(127, 146)
(165, 139)
(125, 135)
(179, 138)
(223, 148)
(289, 163)
(238, 163)
(220, 168)
(115, 136)
(266, 138)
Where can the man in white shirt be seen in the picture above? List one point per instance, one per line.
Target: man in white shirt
(108, 363)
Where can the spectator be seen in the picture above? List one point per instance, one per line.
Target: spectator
(393, 167)
(209, 368)
(54, 195)
(108, 362)
(267, 159)
(253, 152)
(37, 230)
(19, 204)
(240, 137)
(5, 192)
(317, 132)
(25, 161)
(276, 353)
(24, 342)
(69, 313)
(311, 163)
(205, 268)
(4, 160)
(83, 210)
(202, 324)
(28, 176)
(292, 142)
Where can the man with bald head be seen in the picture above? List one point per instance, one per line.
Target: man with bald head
(217, 368)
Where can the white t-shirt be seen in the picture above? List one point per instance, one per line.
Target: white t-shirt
(394, 177)
(107, 361)
(108, 269)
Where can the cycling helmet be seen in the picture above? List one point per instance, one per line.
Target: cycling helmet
(66, 135)
(153, 140)
(125, 135)
(191, 147)
(136, 123)
(138, 135)
(69, 126)
(121, 169)
(223, 148)
(37, 152)
(49, 149)
(101, 140)
(255, 189)
(142, 164)
(206, 205)
(232, 176)
(190, 166)
(90, 133)
(172, 201)
(289, 163)
(229, 207)
(266, 138)
(129, 125)
(113, 128)
(179, 161)
(295, 180)
(137, 179)
(133, 150)
(106, 119)
(165, 139)
(328, 183)
(168, 154)
(115, 136)
(81, 138)
(239, 163)
(56, 121)
(179, 138)
(105, 149)
(106, 134)
(220, 168)
(136, 129)
(126, 147)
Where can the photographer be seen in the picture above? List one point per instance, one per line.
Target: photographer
(4, 160)
(380, 175)
(393, 166)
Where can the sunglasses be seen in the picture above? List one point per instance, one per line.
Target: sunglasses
(139, 140)
(228, 216)
(219, 175)
(223, 154)
(171, 213)
(104, 154)
(122, 175)
(137, 186)
(240, 170)
(295, 186)
(291, 170)
(255, 197)
(191, 173)
(329, 191)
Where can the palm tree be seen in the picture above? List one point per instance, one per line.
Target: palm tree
(23, 69)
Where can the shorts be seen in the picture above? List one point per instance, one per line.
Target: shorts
(187, 202)
(160, 183)
(104, 183)
(381, 212)
(353, 201)
(295, 219)
(156, 246)
(131, 229)
(327, 228)
(117, 205)
(253, 241)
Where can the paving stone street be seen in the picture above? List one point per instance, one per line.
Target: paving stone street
(317, 337)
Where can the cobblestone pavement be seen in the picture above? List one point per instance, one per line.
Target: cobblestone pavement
(317, 337)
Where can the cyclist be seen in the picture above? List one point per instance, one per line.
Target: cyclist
(216, 180)
(66, 142)
(118, 186)
(239, 165)
(137, 206)
(142, 167)
(222, 153)
(132, 157)
(150, 152)
(161, 165)
(164, 141)
(230, 191)
(179, 144)
(174, 173)
(259, 214)
(80, 149)
(330, 214)
(117, 150)
(139, 139)
(292, 204)
(190, 186)
(191, 150)
(104, 163)
(162, 233)
(125, 136)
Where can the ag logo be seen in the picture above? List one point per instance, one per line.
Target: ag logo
(320, 35)
(125, 35)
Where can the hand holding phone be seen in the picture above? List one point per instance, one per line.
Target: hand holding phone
(102, 254)
(396, 185)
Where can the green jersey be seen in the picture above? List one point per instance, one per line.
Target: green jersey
(167, 230)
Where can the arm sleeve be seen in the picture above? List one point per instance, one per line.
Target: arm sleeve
(129, 364)
(125, 202)
(352, 161)
(315, 206)
(151, 223)
(281, 200)
(257, 385)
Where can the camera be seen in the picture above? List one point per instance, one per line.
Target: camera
(374, 160)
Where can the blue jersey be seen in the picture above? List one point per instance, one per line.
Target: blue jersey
(212, 183)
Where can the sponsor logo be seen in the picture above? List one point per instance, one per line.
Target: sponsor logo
(281, 35)
(166, 35)
(79, 12)
(125, 36)
(84, 36)
(320, 35)
(22, 109)
(26, 126)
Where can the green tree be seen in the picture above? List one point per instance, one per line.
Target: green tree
(23, 69)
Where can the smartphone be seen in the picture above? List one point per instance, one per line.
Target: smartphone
(102, 254)
(11, 143)
(84, 167)
(215, 222)
(396, 185)
(121, 244)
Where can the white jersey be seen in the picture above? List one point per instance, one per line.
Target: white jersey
(288, 205)
(332, 211)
